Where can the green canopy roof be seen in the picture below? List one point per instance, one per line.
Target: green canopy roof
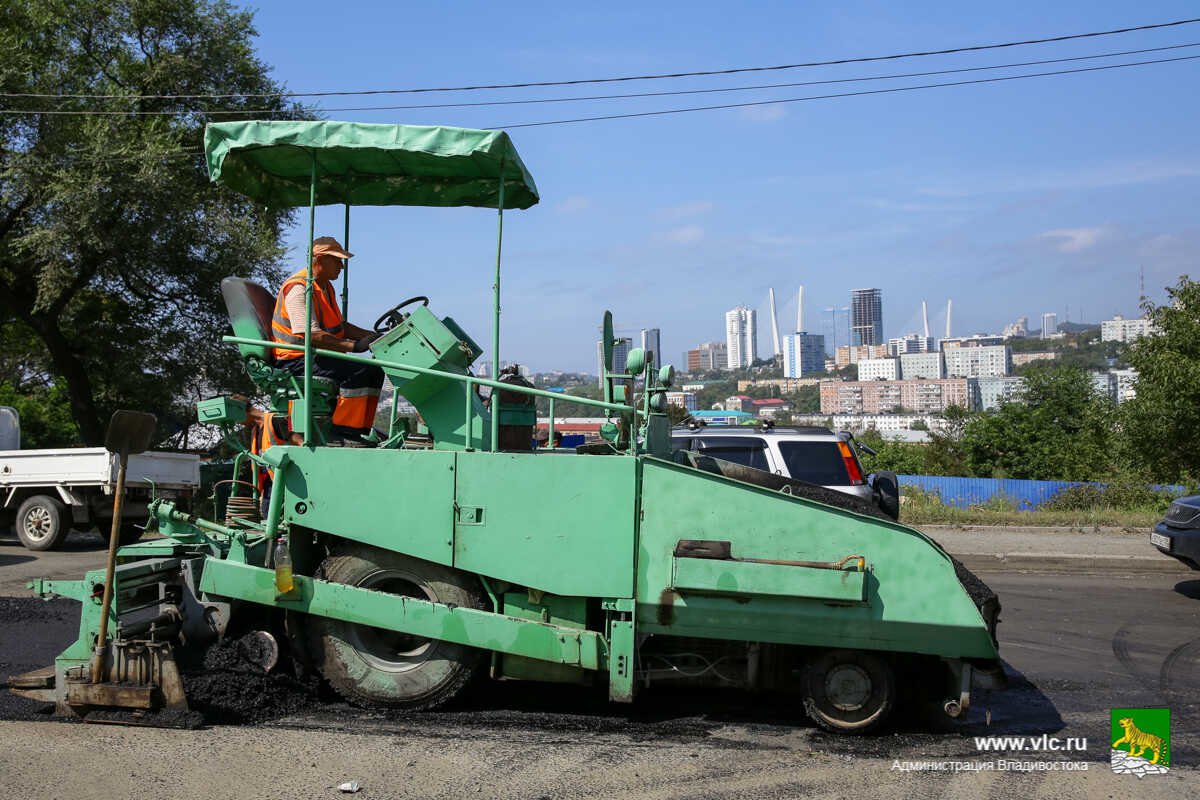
(367, 164)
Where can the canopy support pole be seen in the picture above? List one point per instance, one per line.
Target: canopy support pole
(494, 403)
(346, 272)
(309, 436)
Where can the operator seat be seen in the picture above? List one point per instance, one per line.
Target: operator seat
(250, 308)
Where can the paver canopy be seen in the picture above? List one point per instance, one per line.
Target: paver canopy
(367, 164)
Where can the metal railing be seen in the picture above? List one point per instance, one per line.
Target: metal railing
(470, 380)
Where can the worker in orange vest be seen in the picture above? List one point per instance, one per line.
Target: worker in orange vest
(358, 384)
(268, 429)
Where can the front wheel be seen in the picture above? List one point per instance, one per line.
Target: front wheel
(849, 691)
(376, 666)
(42, 522)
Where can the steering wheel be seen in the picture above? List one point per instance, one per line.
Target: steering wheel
(392, 317)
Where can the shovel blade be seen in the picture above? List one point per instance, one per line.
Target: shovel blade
(129, 432)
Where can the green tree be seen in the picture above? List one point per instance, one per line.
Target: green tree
(112, 240)
(945, 454)
(1061, 429)
(807, 399)
(905, 458)
(1161, 425)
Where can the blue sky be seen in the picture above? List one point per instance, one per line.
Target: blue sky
(1013, 199)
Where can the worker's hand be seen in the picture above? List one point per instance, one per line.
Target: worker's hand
(361, 345)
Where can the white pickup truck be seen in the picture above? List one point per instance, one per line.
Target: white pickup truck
(44, 494)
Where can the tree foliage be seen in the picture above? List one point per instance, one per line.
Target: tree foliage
(112, 240)
(1161, 425)
(1060, 429)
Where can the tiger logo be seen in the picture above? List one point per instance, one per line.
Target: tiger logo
(1140, 741)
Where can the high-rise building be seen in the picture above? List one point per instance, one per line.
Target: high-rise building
(741, 337)
(803, 354)
(912, 343)
(710, 356)
(879, 369)
(978, 362)
(866, 317)
(1119, 329)
(1049, 325)
(835, 325)
(651, 344)
(927, 366)
(621, 348)
(999, 389)
(1018, 329)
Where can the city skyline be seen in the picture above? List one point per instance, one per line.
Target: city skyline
(1007, 224)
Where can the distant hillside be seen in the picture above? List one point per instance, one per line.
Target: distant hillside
(1068, 327)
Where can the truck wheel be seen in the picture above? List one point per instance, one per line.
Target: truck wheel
(375, 666)
(849, 691)
(42, 522)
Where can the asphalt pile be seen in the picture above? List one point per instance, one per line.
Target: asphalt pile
(228, 685)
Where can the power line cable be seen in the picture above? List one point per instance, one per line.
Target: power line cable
(219, 112)
(764, 85)
(531, 84)
(842, 94)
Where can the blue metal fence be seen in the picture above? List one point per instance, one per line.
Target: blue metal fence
(1028, 495)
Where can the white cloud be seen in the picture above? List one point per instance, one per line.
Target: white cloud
(689, 234)
(575, 203)
(771, 113)
(684, 210)
(1092, 176)
(1074, 240)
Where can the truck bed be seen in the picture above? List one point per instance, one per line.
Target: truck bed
(95, 466)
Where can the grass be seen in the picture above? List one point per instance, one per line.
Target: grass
(922, 508)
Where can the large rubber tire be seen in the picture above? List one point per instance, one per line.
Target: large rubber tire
(373, 666)
(42, 522)
(849, 691)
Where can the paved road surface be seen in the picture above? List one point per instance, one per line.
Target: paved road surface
(1076, 645)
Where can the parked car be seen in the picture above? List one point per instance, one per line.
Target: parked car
(1178, 534)
(811, 454)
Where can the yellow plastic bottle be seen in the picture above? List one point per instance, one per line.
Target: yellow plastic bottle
(284, 583)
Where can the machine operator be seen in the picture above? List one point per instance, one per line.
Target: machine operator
(358, 384)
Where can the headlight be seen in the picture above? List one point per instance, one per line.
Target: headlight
(1181, 516)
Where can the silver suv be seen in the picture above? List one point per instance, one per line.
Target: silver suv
(811, 454)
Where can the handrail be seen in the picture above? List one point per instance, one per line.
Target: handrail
(467, 379)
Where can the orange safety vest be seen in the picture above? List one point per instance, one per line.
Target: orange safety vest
(259, 442)
(325, 306)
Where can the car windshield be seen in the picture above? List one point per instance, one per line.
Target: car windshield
(815, 462)
(745, 450)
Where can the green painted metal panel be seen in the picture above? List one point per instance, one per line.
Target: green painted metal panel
(563, 524)
(396, 499)
(468, 626)
(713, 576)
(565, 612)
(914, 602)
(424, 341)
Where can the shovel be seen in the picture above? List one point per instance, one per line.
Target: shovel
(129, 433)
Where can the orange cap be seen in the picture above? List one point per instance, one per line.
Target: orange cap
(329, 246)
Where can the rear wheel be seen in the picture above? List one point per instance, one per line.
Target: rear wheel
(42, 522)
(378, 666)
(849, 691)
